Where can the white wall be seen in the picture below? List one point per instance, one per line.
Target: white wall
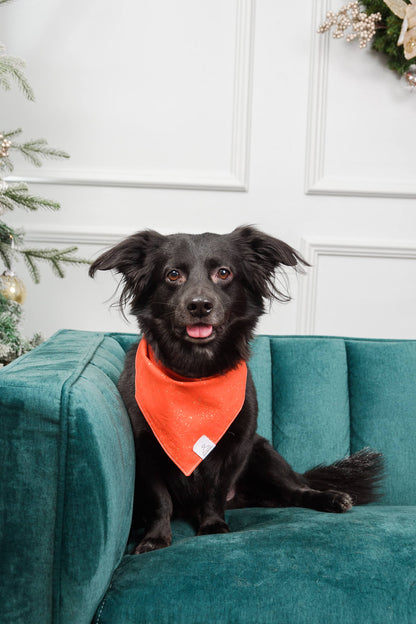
(195, 116)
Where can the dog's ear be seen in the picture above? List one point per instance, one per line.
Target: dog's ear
(263, 257)
(134, 259)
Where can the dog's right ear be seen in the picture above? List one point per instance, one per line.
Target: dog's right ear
(132, 258)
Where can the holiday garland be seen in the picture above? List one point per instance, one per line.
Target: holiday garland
(390, 26)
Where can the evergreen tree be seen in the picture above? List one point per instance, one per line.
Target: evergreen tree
(14, 196)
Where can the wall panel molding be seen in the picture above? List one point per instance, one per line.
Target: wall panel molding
(313, 250)
(317, 182)
(317, 100)
(235, 179)
(75, 236)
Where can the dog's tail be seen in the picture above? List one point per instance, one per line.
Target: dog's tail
(359, 476)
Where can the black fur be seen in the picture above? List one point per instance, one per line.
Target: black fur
(174, 283)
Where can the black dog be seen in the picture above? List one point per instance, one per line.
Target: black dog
(197, 299)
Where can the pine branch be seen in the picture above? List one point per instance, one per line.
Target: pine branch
(8, 234)
(7, 164)
(33, 150)
(18, 196)
(5, 202)
(36, 149)
(9, 239)
(32, 268)
(6, 256)
(10, 135)
(11, 68)
(56, 257)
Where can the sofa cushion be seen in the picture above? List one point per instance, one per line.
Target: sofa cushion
(382, 382)
(310, 400)
(278, 565)
(261, 369)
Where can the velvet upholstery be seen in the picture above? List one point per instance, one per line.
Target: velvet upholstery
(382, 383)
(310, 400)
(289, 566)
(67, 479)
(67, 475)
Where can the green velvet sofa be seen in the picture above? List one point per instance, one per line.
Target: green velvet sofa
(66, 492)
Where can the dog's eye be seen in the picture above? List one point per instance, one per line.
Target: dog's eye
(223, 273)
(173, 275)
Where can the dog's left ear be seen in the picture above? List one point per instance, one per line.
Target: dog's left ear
(263, 258)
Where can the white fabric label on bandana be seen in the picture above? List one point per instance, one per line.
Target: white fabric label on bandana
(203, 446)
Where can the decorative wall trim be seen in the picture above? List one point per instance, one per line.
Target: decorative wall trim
(243, 87)
(313, 250)
(317, 182)
(75, 236)
(317, 99)
(137, 179)
(236, 179)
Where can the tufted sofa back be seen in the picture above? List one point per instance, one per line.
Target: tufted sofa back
(321, 398)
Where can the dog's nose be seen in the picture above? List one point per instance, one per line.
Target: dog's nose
(200, 306)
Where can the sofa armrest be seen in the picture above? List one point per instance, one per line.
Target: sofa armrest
(67, 478)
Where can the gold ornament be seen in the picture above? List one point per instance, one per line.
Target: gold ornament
(12, 287)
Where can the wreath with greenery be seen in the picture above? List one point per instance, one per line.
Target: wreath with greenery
(390, 26)
(387, 35)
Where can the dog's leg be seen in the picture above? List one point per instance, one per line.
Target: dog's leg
(158, 532)
(269, 481)
(210, 516)
(220, 478)
(152, 499)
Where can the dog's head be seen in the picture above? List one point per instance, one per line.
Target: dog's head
(197, 298)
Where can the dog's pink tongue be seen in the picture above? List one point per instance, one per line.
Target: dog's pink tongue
(199, 331)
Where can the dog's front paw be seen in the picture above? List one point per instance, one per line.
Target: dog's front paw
(216, 527)
(151, 543)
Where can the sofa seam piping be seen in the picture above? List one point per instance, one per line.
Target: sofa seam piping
(104, 600)
(272, 386)
(349, 395)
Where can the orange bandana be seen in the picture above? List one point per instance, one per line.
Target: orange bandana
(188, 416)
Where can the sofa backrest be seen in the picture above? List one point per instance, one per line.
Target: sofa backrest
(322, 398)
(329, 397)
